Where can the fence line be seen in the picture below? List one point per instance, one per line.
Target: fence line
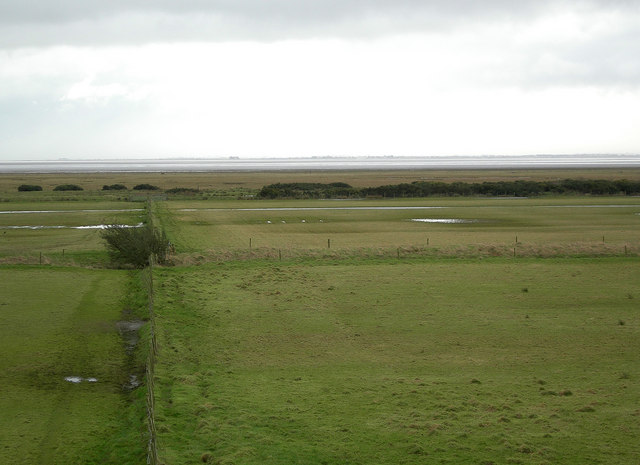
(152, 449)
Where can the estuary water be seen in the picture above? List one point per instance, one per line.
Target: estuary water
(319, 163)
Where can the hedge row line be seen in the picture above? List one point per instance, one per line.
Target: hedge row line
(426, 189)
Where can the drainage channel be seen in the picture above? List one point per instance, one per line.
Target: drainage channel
(130, 333)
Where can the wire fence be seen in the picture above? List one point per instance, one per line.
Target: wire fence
(152, 448)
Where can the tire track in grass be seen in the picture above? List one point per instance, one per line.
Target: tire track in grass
(69, 431)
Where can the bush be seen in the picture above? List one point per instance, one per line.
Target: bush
(114, 187)
(29, 188)
(145, 187)
(134, 246)
(307, 190)
(68, 187)
(182, 190)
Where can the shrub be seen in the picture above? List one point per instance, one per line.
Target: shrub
(68, 187)
(114, 187)
(134, 246)
(145, 187)
(29, 187)
(182, 190)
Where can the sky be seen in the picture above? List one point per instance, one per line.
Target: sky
(85, 79)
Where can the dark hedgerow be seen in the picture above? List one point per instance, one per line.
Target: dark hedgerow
(519, 188)
(114, 187)
(68, 187)
(134, 246)
(29, 188)
(145, 187)
(182, 190)
(307, 190)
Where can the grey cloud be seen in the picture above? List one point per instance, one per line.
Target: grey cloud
(31, 23)
(608, 61)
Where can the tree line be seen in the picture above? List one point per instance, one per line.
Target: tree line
(442, 189)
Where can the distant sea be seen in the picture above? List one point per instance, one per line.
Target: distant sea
(320, 163)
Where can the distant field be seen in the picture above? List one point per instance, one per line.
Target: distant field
(255, 180)
(461, 362)
(57, 323)
(295, 226)
(19, 241)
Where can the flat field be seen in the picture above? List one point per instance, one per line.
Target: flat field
(30, 227)
(240, 181)
(57, 323)
(530, 361)
(326, 331)
(536, 226)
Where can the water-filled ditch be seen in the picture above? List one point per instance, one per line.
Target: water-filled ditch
(130, 333)
(296, 209)
(91, 226)
(9, 212)
(444, 220)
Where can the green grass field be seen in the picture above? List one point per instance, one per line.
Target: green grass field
(322, 332)
(539, 224)
(57, 323)
(61, 220)
(415, 361)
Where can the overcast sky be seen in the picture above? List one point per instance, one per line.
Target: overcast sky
(180, 78)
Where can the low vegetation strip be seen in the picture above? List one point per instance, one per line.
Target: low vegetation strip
(465, 361)
(518, 188)
(476, 251)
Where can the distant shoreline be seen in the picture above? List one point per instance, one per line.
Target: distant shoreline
(232, 164)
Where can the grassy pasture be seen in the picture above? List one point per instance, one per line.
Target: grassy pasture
(293, 226)
(78, 244)
(402, 361)
(347, 361)
(225, 181)
(56, 323)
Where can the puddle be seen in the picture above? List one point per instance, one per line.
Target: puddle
(78, 379)
(9, 212)
(133, 383)
(93, 226)
(444, 220)
(130, 333)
